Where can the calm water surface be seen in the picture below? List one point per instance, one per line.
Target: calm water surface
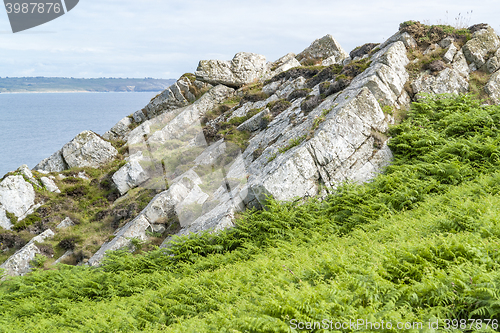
(34, 126)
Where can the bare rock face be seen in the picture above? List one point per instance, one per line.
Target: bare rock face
(118, 131)
(492, 88)
(88, 150)
(17, 197)
(447, 81)
(130, 175)
(493, 64)
(50, 185)
(54, 163)
(20, 262)
(243, 69)
(321, 49)
(483, 42)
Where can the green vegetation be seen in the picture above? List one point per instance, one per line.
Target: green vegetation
(64, 84)
(418, 243)
(429, 34)
(477, 82)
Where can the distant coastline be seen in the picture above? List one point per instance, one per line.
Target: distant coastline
(78, 85)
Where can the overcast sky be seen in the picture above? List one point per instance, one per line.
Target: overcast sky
(164, 39)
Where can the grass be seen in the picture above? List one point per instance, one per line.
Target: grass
(477, 82)
(417, 244)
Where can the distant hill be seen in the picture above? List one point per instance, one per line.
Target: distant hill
(65, 84)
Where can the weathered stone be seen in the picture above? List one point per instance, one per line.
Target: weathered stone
(492, 88)
(446, 42)
(432, 48)
(255, 123)
(406, 38)
(320, 49)
(54, 163)
(243, 69)
(50, 185)
(139, 116)
(447, 81)
(16, 195)
(450, 53)
(281, 65)
(88, 150)
(20, 262)
(67, 222)
(493, 64)
(460, 64)
(120, 130)
(271, 88)
(483, 42)
(5, 221)
(363, 50)
(130, 175)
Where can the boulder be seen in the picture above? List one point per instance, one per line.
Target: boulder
(243, 69)
(16, 196)
(493, 64)
(460, 64)
(447, 81)
(20, 262)
(492, 88)
(446, 42)
(450, 53)
(483, 42)
(88, 150)
(54, 163)
(281, 65)
(255, 123)
(323, 48)
(120, 130)
(67, 222)
(130, 175)
(50, 185)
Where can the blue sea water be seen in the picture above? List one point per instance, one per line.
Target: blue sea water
(34, 126)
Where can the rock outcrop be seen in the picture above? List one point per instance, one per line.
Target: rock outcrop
(323, 48)
(483, 42)
(243, 69)
(16, 197)
(87, 149)
(21, 262)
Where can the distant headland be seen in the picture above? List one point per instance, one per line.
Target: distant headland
(42, 84)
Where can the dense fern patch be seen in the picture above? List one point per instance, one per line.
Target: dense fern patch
(417, 244)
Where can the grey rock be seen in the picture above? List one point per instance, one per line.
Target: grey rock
(255, 123)
(64, 256)
(54, 163)
(5, 222)
(446, 42)
(139, 116)
(130, 175)
(483, 42)
(271, 88)
(320, 49)
(88, 150)
(16, 196)
(493, 64)
(281, 65)
(450, 53)
(120, 130)
(50, 185)
(432, 48)
(492, 88)
(20, 262)
(460, 64)
(67, 222)
(447, 81)
(244, 68)
(405, 38)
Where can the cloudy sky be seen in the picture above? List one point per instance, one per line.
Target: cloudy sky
(164, 39)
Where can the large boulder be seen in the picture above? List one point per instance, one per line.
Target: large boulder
(88, 150)
(321, 49)
(243, 69)
(20, 262)
(492, 88)
(483, 42)
(16, 197)
(131, 174)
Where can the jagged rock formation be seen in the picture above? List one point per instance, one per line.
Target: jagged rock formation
(224, 139)
(17, 197)
(85, 150)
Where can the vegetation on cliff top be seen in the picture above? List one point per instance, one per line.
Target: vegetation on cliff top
(418, 243)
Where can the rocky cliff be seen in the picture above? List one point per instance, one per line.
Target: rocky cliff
(224, 139)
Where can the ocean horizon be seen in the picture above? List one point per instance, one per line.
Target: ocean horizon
(33, 126)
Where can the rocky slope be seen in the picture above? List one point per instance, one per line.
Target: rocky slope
(223, 139)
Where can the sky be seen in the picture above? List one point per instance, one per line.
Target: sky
(164, 39)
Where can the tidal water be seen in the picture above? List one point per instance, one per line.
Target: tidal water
(34, 126)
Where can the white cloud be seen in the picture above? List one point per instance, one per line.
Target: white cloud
(157, 38)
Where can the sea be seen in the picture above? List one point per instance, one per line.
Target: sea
(33, 126)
